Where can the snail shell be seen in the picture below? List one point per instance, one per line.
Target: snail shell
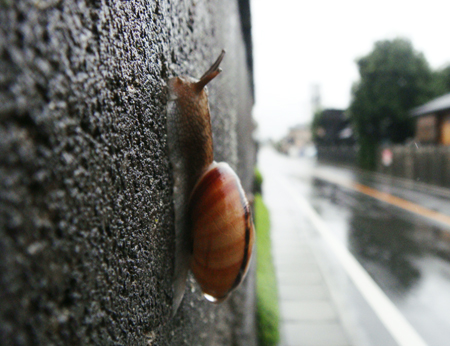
(222, 232)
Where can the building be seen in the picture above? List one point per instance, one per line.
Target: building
(297, 140)
(333, 129)
(334, 138)
(433, 121)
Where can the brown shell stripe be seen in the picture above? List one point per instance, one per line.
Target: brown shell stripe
(217, 280)
(248, 229)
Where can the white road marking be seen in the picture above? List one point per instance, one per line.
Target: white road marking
(400, 329)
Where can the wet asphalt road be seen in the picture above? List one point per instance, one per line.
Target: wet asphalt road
(406, 252)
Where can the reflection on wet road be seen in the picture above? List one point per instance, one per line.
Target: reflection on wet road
(407, 253)
(389, 198)
(407, 256)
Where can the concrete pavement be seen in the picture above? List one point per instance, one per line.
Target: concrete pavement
(309, 316)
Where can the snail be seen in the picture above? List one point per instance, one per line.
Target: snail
(213, 224)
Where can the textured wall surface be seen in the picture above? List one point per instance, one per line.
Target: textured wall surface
(86, 223)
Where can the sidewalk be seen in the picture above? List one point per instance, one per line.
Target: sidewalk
(308, 314)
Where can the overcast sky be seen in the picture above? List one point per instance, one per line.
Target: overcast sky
(298, 44)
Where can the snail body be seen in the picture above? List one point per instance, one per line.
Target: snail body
(213, 224)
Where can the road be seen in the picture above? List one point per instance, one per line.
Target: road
(398, 233)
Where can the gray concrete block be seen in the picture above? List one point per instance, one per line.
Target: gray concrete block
(300, 278)
(315, 334)
(298, 268)
(308, 311)
(302, 292)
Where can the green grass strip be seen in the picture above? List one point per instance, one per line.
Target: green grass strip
(266, 284)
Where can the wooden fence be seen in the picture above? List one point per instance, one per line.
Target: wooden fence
(427, 164)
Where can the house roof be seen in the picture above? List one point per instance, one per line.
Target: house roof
(439, 104)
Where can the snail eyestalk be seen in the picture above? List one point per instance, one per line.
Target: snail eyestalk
(212, 73)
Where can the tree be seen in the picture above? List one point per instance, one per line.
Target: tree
(394, 79)
(441, 80)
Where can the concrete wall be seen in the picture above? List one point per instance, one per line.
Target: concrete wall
(86, 223)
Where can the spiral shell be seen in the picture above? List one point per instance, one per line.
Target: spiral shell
(222, 232)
